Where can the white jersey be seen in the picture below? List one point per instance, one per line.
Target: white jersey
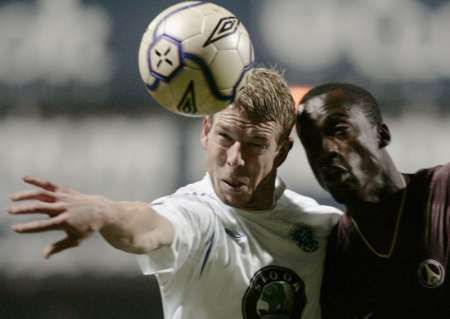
(226, 262)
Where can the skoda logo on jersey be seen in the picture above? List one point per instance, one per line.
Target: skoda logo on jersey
(274, 292)
(304, 236)
(431, 273)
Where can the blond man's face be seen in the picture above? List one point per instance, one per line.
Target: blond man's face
(242, 157)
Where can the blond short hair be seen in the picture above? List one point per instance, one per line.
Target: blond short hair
(266, 97)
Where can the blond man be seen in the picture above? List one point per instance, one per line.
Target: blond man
(236, 244)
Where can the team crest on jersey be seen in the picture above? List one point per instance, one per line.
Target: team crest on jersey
(431, 273)
(305, 238)
(274, 292)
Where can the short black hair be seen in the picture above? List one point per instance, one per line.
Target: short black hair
(355, 95)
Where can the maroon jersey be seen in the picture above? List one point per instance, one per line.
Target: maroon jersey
(414, 281)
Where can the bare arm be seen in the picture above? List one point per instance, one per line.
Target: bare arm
(130, 226)
(137, 228)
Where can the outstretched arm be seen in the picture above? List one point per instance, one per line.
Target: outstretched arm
(130, 226)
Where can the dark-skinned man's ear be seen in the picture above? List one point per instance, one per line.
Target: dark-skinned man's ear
(384, 135)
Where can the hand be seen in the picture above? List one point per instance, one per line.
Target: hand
(77, 214)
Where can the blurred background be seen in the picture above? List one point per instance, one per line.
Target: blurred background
(73, 110)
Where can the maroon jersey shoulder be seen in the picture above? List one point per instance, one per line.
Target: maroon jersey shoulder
(441, 178)
(437, 215)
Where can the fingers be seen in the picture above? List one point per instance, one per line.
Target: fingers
(63, 244)
(38, 226)
(41, 195)
(40, 183)
(51, 209)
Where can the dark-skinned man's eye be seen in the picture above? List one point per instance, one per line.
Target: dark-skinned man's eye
(340, 131)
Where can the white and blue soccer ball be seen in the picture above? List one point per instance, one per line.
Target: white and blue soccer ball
(194, 58)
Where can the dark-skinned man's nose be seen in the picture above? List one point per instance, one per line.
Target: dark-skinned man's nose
(329, 148)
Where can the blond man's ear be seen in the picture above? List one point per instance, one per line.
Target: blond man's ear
(284, 151)
(206, 128)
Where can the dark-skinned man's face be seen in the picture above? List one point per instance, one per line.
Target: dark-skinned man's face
(342, 146)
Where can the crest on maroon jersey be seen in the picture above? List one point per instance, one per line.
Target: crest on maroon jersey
(431, 273)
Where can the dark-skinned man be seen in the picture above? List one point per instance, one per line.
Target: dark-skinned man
(388, 256)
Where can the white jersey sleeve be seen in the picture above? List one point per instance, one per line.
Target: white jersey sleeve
(193, 220)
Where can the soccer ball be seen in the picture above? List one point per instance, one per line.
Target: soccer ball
(194, 58)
